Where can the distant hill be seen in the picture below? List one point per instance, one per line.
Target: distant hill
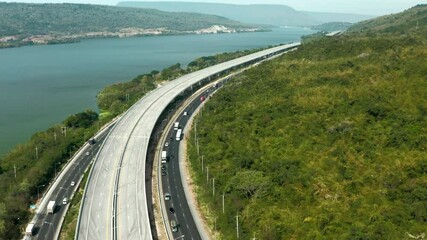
(20, 20)
(413, 19)
(277, 15)
(326, 17)
(332, 26)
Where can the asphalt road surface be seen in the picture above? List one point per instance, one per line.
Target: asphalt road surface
(171, 182)
(47, 224)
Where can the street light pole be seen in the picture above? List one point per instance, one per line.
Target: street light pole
(38, 194)
(55, 167)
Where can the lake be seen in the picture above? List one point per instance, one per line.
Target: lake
(42, 85)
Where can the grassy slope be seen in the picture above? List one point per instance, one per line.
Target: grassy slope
(328, 142)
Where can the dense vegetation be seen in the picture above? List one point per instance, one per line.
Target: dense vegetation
(36, 168)
(29, 168)
(326, 142)
(23, 20)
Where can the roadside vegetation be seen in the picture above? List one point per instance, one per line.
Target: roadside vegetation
(27, 170)
(326, 142)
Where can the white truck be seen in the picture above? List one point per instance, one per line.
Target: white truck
(164, 156)
(176, 126)
(178, 134)
(51, 207)
(29, 231)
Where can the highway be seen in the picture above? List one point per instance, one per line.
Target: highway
(115, 201)
(47, 225)
(172, 183)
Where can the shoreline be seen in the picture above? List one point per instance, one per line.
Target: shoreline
(36, 40)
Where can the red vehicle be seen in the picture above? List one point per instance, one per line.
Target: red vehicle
(202, 98)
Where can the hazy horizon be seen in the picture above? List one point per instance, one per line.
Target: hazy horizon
(366, 7)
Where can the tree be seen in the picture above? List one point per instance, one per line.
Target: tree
(249, 183)
(84, 119)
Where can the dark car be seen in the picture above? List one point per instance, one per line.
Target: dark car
(171, 210)
(163, 173)
(163, 167)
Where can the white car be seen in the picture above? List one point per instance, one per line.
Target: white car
(166, 144)
(167, 197)
(73, 183)
(87, 153)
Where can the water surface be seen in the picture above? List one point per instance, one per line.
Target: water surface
(42, 85)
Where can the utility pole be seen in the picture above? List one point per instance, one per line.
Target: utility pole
(14, 169)
(198, 148)
(237, 225)
(54, 136)
(213, 186)
(254, 238)
(202, 164)
(207, 174)
(37, 152)
(223, 205)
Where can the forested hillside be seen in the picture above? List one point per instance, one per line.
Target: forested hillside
(411, 21)
(73, 21)
(326, 142)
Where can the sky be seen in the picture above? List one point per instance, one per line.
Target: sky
(367, 7)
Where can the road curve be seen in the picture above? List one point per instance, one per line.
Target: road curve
(115, 202)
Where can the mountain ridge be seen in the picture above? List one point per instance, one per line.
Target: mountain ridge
(270, 14)
(29, 23)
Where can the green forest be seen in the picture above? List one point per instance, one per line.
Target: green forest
(326, 142)
(37, 161)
